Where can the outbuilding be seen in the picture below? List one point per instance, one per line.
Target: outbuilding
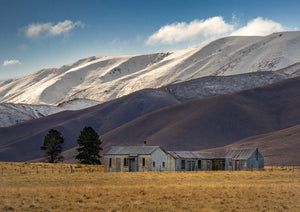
(197, 161)
(244, 159)
(137, 158)
(154, 158)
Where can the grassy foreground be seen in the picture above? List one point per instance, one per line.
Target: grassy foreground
(48, 187)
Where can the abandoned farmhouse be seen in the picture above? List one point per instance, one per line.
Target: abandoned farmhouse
(154, 158)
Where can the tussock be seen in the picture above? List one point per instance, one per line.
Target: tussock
(88, 188)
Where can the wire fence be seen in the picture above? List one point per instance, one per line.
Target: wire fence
(8, 168)
(12, 168)
(285, 167)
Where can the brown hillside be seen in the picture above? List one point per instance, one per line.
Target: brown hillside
(194, 125)
(216, 121)
(22, 142)
(279, 147)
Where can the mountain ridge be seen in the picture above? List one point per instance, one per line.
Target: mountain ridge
(193, 89)
(106, 78)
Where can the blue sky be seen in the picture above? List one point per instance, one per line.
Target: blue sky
(38, 34)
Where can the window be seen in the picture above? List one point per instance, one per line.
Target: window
(110, 160)
(182, 164)
(125, 161)
(153, 163)
(199, 164)
(163, 164)
(144, 162)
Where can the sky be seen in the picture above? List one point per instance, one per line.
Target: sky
(37, 34)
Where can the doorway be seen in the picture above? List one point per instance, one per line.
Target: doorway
(118, 164)
(132, 164)
(237, 165)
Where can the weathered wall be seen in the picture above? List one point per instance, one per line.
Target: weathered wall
(206, 165)
(165, 162)
(159, 157)
(192, 165)
(170, 163)
(147, 166)
(114, 164)
(256, 164)
(249, 164)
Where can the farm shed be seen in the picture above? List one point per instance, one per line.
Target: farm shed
(243, 159)
(197, 161)
(136, 158)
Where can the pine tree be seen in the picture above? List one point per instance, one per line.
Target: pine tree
(89, 146)
(53, 146)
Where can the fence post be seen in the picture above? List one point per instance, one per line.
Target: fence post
(71, 168)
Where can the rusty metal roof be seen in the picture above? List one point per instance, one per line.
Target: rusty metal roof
(193, 155)
(131, 150)
(240, 153)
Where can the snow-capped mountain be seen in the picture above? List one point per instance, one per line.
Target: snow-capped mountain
(16, 113)
(189, 90)
(106, 78)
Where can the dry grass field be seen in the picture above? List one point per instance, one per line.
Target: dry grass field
(48, 187)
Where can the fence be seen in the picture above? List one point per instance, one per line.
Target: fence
(285, 167)
(10, 168)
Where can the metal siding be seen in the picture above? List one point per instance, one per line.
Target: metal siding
(247, 158)
(131, 150)
(193, 155)
(227, 166)
(240, 154)
(261, 161)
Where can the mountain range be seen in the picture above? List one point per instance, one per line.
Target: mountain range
(106, 78)
(235, 91)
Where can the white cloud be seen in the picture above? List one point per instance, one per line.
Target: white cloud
(259, 26)
(178, 32)
(212, 28)
(41, 30)
(10, 62)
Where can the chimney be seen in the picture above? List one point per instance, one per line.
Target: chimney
(256, 153)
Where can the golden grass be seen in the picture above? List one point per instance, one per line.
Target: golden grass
(48, 187)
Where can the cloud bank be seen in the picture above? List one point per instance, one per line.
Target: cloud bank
(259, 26)
(203, 30)
(178, 32)
(41, 30)
(10, 62)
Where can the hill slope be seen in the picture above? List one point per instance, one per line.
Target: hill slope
(194, 125)
(24, 145)
(216, 121)
(279, 147)
(106, 78)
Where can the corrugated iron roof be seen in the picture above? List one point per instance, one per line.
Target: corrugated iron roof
(193, 155)
(131, 150)
(240, 153)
